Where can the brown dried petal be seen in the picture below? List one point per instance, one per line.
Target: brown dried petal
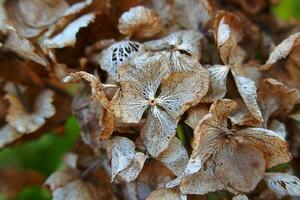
(240, 197)
(195, 114)
(276, 99)
(68, 36)
(26, 122)
(283, 184)
(141, 22)
(117, 54)
(217, 79)
(275, 148)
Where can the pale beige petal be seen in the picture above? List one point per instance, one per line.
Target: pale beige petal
(175, 157)
(166, 194)
(247, 90)
(26, 122)
(158, 131)
(275, 148)
(141, 22)
(282, 50)
(122, 155)
(68, 36)
(8, 134)
(61, 178)
(240, 169)
(117, 54)
(195, 114)
(201, 183)
(182, 90)
(283, 184)
(139, 81)
(217, 83)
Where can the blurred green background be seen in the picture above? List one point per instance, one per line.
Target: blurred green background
(45, 154)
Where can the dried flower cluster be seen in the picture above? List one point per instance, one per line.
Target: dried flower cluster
(180, 98)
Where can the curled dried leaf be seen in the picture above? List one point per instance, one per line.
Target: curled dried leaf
(141, 22)
(26, 122)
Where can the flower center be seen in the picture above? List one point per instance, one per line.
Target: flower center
(152, 102)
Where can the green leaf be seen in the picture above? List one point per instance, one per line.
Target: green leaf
(33, 193)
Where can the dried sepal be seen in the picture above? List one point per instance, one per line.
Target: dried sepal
(228, 34)
(195, 114)
(68, 36)
(217, 80)
(283, 184)
(166, 194)
(22, 47)
(26, 122)
(181, 50)
(117, 54)
(125, 161)
(276, 99)
(97, 92)
(140, 22)
(175, 157)
(247, 90)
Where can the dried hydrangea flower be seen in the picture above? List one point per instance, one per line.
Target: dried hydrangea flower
(181, 49)
(117, 54)
(26, 122)
(68, 36)
(283, 184)
(140, 22)
(234, 160)
(240, 197)
(97, 93)
(126, 163)
(195, 114)
(166, 194)
(228, 33)
(140, 82)
(283, 62)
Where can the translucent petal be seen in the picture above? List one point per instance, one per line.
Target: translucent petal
(182, 90)
(117, 54)
(158, 131)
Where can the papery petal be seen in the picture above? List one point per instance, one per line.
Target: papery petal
(217, 79)
(166, 194)
(158, 131)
